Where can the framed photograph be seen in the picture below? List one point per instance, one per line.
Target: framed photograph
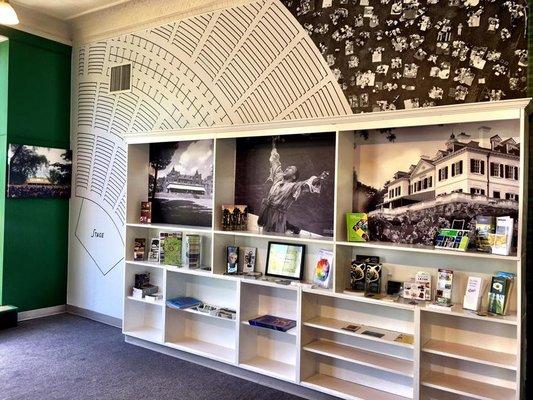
(285, 260)
(38, 172)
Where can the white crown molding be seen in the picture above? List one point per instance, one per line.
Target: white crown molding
(136, 15)
(43, 25)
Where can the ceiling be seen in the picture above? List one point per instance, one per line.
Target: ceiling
(66, 9)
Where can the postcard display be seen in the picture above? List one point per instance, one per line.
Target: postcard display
(345, 344)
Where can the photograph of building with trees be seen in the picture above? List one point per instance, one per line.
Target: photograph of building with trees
(180, 185)
(38, 172)
(431, 176)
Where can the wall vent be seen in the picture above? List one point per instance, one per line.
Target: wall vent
(120, 78)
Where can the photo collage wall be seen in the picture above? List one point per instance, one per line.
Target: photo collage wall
(394, 54)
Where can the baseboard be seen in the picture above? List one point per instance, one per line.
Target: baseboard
(41, 312)
(95, 316)
(260, 379)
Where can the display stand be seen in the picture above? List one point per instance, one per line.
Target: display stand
(455, 355)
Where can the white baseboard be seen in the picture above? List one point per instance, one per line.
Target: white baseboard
(95, 316)
(41, 312)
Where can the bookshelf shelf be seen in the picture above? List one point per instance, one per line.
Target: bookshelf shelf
(145, 264)
(362, 299)
(426, 250)
(335, 325)
(172, 228)
(147, 333)
(205, 349)
(274, 368)
(195, 312)
(318, 353)
(458, 311)
(159, 303)
(471, 353)
(280, 237)
(362, 357)
(348, 390)
(467, 387)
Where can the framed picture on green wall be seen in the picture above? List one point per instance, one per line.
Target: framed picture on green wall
(38, 172)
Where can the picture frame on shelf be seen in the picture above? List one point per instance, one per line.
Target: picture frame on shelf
(285, 260)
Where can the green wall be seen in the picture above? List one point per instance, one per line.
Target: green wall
(4, 54)
(36, 230)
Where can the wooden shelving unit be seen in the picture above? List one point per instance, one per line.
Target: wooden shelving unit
(456, 354)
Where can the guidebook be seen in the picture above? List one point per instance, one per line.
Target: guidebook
(172, 250)
(272, 322)
(357, 224)
(503, 236)
(192, 250)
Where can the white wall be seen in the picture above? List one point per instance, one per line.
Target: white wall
(186, 73)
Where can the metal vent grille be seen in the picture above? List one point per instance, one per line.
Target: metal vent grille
(120, 78)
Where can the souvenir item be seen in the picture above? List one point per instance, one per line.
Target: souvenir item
(247, 259)
(323, 268)
(139, 249)
(232, 259)
(357, 225)
(146, 212)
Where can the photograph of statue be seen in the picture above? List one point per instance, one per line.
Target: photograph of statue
(287, 183)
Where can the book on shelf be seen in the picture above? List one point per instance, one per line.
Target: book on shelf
(502, 238)
(485, 226)
(192, 251)
(500, 293)
(170, 248)
(180, 303)
(146, 212)
(247, 259)
(232, 259)
(273, 322)
(444, 286)
(474, 290)
(323, 268)
(452, 239)
(153, 253)
(418, 289)
(405, 338)
(357, 227)
(139, 247)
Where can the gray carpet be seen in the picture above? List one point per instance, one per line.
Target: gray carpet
(68, 357)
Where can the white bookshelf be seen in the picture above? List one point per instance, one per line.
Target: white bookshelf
(455, 355)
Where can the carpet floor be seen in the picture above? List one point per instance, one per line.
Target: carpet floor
(68, 357)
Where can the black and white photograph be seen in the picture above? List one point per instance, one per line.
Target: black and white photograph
(181, 182)
(38, 172)
(427, 177)
(394, 54)
(288, 183)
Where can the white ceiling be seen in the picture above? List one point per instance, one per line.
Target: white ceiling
(67, 9)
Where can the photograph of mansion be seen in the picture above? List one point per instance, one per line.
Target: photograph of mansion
(176, 182)
(463, 167)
